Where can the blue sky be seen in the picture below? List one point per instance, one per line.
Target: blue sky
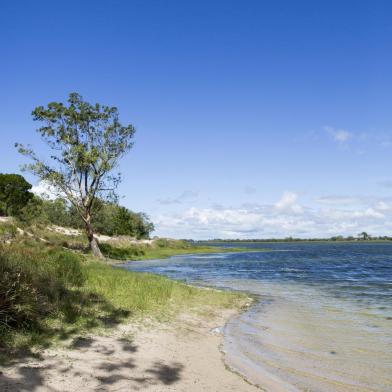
(254, 119)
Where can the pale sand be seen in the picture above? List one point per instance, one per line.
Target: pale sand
(181, 356)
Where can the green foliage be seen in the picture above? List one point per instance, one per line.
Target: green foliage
(57, 212)
(8, 231)
(158, 249)
(364, 236)
(103, 219)
(32, 213)
(114, 220)
(126, 222)
(33, 284)
(170, 243)
(147, 294)
(122, 253)
(87, 142)
(14, 194)
(67, 268)
(109, 218)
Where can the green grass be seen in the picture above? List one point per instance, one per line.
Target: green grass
(159, 249)
(162, 253)
(142, 252)
(48, 294)
(142, 293)
(8, 231)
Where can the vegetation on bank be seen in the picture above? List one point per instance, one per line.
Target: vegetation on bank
(159, 249)
(49, 294)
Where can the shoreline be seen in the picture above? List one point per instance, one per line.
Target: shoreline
(167, 253)
(182, 355)
(117, 262)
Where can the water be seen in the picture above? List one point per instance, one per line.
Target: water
(323, 319)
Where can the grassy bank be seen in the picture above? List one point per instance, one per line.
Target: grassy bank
(49, 294)
(158, 249)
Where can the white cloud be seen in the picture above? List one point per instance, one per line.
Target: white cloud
(338, 135)
(288, 203)
(284, 218)
(383, 206)
(287, 200)
(45, 190)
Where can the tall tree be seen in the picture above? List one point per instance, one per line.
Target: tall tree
(364, 236)
(87, 142)
(14, 193)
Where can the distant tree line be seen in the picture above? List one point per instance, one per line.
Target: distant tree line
(17, 200)
(360, 237)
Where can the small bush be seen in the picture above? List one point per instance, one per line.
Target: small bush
(68, 268)
(168, 243)
(34, 284)
(7, 231)
(121, 253)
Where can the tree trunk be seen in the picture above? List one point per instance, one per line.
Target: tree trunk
(93, 242)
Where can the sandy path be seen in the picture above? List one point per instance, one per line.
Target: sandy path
(183, 356)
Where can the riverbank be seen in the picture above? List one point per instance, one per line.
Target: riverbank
(70, 321)
(150, 253)
(73, 322)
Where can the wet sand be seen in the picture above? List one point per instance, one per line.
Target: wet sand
(289, 345)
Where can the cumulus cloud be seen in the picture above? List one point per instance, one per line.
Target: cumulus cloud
(288, 203)
(338, 135)
(383, 206)
(284, 218)
(45, 190)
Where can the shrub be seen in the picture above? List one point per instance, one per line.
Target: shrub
(7, 231)
(121, 253)
(33, 284)
(68, 268)
(168, 243)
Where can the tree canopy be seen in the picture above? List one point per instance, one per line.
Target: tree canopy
(87, 142)
(14, 193)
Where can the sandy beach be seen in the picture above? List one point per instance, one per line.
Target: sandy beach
(181, 356)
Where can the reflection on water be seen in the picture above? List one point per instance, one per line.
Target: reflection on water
(324, 319)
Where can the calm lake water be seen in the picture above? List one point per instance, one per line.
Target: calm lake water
(323, 319)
